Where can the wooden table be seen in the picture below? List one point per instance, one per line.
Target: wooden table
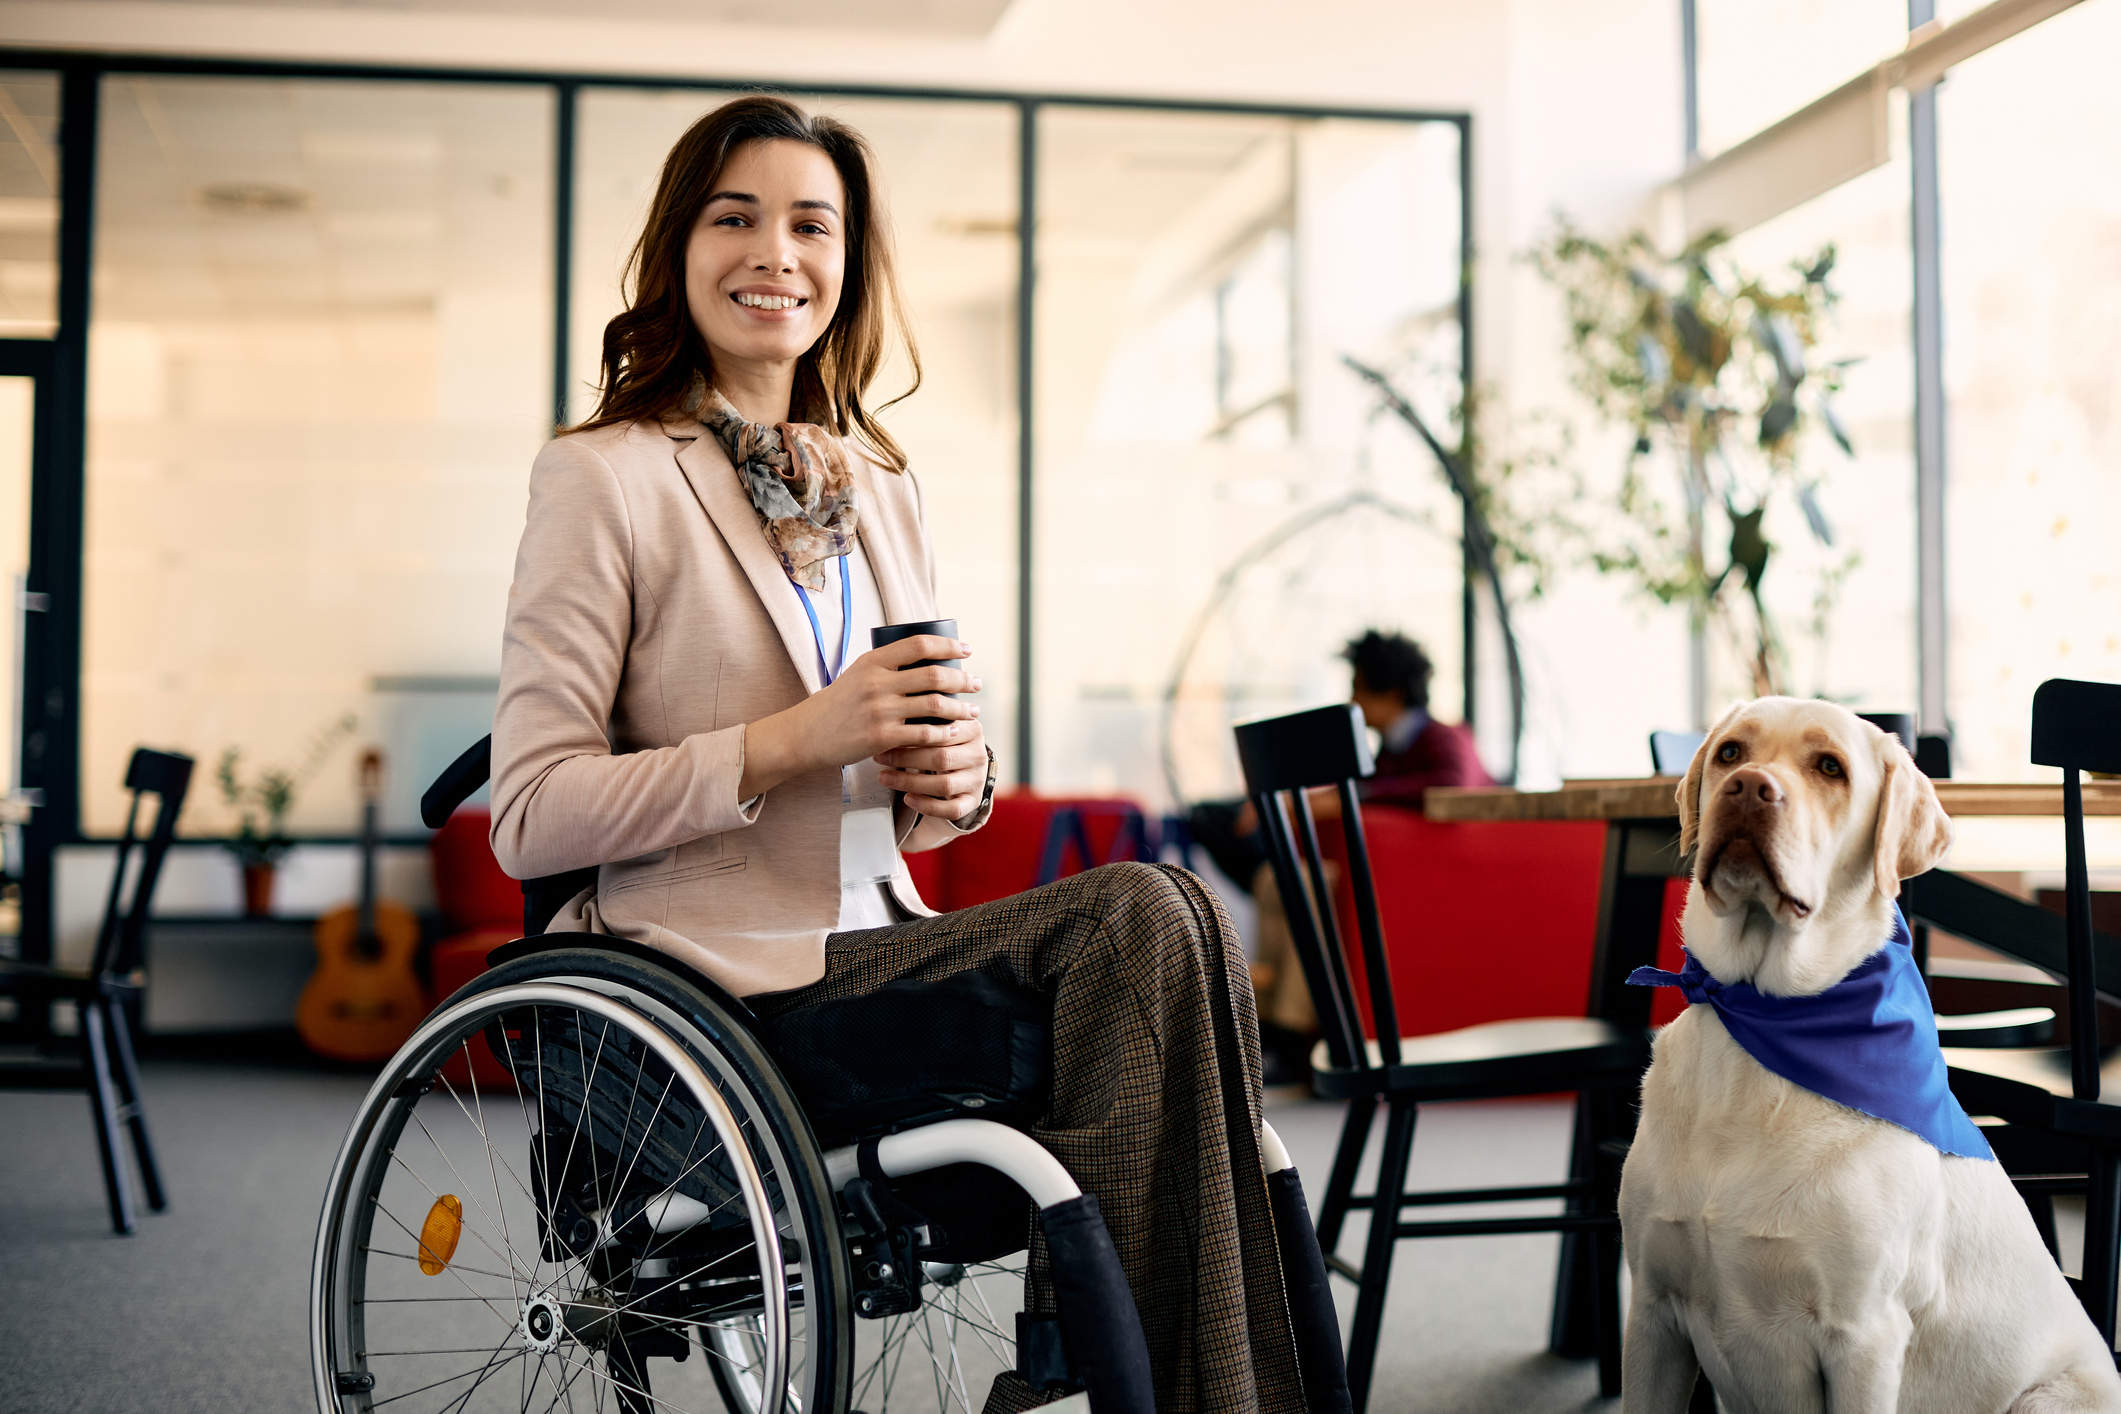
(1654, 797)
(1642, 853)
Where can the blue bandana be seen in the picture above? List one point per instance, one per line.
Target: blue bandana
(1868, 1042)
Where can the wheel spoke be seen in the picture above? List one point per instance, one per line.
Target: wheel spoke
(481, 1372)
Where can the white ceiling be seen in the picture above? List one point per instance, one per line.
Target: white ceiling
(958, 18)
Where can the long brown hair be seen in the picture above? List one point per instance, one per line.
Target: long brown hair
(653, 354)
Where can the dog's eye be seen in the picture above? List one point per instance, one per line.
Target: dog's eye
(1728, 752)
(1828, 766)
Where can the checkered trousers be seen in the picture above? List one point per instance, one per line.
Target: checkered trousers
(1156, 1107)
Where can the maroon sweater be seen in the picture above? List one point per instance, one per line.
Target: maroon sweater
(1439, 755)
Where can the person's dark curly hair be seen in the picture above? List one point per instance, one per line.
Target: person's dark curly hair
(1387, 662)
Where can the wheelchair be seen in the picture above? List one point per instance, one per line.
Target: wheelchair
(640, 1217)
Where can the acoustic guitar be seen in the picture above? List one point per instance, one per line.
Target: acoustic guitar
(363, 1001)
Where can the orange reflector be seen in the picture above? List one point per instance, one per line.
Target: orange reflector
(439, 1234)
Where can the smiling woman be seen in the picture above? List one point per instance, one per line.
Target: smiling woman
(754, 186)
(683, 711)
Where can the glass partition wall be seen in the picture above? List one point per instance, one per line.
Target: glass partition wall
(1219, 506)
(319, 370)
(29, 204)
(305, 337)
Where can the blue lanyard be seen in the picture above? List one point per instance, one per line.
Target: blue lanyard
(817, 631)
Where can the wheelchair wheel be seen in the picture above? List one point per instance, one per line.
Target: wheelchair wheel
(641, 1222)
(939, 1358)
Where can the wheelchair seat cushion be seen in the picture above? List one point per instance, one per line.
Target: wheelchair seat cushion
(911, 1052)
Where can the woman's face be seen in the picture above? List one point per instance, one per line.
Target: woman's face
(767, 255)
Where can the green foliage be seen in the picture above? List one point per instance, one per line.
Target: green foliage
(1710, 363)
(263, 804)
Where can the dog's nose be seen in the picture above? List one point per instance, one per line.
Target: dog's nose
(1753, 786)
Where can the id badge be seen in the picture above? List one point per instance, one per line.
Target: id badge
(868, 843)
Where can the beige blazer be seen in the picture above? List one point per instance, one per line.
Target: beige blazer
(649, 622)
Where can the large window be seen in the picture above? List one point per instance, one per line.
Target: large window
(1856, 645)
(2032, 321)
(320, 367)
(1759, 60)
(1219, 505)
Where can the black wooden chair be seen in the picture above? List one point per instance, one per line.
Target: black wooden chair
(103, 996)
(1601, 1060)
(2061, 1134)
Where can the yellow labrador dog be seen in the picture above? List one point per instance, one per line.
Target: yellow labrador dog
(1805, 1255)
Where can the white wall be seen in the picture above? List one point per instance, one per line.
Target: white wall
(1574, 105)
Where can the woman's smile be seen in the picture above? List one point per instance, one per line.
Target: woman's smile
(768, 301)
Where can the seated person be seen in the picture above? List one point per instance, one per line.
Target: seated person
(685, 703)
(1392, 688)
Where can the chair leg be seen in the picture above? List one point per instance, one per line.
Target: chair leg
(1605, 1247)
(103, 1103)
(1340, 1182)
(2102, 1240)
(1377, 1255)
(1573, 1334)
(128, 1077)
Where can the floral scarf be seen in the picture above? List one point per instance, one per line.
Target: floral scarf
(800, 483)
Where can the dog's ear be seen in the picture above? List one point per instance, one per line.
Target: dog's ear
(1913, 830)
(1690, 786)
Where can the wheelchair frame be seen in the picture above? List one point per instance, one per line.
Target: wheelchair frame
(838, 1202)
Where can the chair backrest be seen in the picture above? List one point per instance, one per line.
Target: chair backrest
(1900, 724)
(1283, 757)
(1671, 752)
(166, 776)
(2077, 726)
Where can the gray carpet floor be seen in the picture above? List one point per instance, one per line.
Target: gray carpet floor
(205, 1310)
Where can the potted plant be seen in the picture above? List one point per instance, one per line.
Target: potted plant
(262, 805)
(1712, 364)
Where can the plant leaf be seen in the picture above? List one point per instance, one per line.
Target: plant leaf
(1808, 498)
(1835, 430)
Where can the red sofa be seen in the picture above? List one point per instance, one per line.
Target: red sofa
(1486, 921)
(481, 909)
(1002, 857)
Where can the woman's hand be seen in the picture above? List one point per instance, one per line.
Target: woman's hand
(944, 781)
(864, 714)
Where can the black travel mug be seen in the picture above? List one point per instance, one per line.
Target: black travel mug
(942, 628)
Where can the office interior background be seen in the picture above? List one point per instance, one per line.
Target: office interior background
(287, 326)
(293, 291)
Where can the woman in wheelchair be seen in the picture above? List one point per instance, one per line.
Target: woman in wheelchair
(684, 708)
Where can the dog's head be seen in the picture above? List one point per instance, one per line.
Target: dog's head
(1802, 819)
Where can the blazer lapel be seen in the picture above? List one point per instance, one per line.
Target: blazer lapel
(713, 480)
(894, 584)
